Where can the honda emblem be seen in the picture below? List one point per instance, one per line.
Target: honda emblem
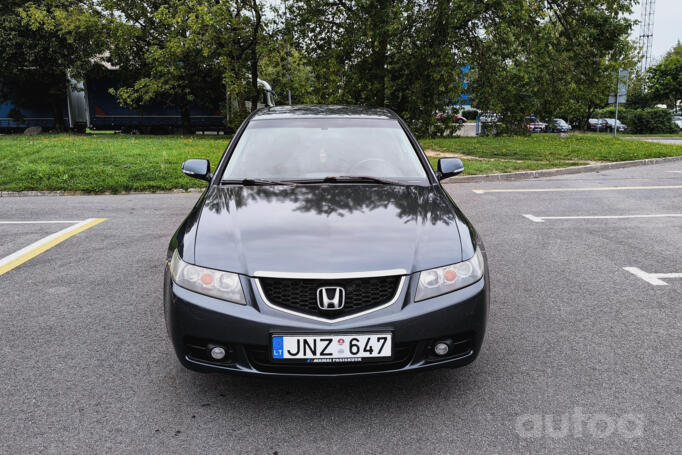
(330, 298)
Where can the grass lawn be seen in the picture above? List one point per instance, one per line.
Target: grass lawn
(489, 155)
(117, 163)
(550, 148)
(102, 162)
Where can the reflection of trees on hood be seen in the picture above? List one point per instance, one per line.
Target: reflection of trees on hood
(411, 203)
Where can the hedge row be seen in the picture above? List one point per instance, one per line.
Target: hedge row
(649, 121)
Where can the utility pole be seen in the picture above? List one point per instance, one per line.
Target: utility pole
(646, 32)
(286, 28)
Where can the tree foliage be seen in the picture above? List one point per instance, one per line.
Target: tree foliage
(43, 44)
(540, 57)
(665, 81)
(404, 54)
(181, 52)
(551, 57)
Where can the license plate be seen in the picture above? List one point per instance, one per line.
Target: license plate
(353, 347)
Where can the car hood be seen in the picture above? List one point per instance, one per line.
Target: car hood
(327, 228)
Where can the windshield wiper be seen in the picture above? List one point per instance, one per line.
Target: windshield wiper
(256, 182)
(360, 179)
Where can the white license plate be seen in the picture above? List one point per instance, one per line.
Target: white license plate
(332, 348)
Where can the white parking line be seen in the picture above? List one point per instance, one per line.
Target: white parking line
(652, 278)
(591, 188)
(19, 257)
(541, 219)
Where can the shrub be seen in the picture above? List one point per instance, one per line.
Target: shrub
(652, 120)
(469, 114)
(648, 121)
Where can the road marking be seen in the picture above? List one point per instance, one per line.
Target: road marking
(541, 219)
(19, 257)
(675, 172)
(591, 188)
(40, 222)
(652, 278)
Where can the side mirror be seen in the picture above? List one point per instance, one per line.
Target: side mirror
(449, 167)
(198, 169)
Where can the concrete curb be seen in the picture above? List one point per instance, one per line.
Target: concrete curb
(82, 193)
(559, 171)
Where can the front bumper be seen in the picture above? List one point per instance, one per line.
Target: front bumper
(195, 321)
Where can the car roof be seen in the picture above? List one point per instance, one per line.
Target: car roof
(326, 111)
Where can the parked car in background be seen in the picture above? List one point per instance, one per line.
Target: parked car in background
(677, 120)
(534, 125)
(596, 124)
(442, 117)
(612, 123)
(489, 117)
(558, 125)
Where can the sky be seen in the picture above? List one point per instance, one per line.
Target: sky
(667, 25)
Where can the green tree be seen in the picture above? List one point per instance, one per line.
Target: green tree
(181, 52)
(43, 44)
(294, 75)
(675, 51)
(553, 57)
(638, 96)
(404, 54)
(665, 81)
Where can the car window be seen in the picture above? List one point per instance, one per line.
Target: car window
(300, 149)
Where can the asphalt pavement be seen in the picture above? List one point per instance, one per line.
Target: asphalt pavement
(581, 355)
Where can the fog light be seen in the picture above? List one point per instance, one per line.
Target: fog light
(441, 348)
(218, 353)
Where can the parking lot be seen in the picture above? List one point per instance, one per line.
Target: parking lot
(582, 354)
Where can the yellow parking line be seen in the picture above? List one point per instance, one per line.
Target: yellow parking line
(592, 188)
(16, 259)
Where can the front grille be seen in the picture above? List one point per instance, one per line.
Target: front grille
(259, 359)
(301, 294)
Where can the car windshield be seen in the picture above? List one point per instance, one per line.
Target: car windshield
(308, 149)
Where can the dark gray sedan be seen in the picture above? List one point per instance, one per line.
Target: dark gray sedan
(325, 245)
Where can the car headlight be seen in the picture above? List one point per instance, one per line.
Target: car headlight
(214, 283)
(446, 279)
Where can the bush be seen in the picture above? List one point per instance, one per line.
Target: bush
(470, 114)
(652, 121)
(647, 121)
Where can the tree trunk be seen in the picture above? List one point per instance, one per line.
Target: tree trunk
(380, 50)
(58, 114)
(186, 120)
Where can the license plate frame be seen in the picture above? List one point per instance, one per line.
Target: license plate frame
(335, 360)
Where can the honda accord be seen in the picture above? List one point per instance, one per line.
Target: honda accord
(325, 245)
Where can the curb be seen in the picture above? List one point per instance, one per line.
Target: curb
(523, 175)
(83, 193)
